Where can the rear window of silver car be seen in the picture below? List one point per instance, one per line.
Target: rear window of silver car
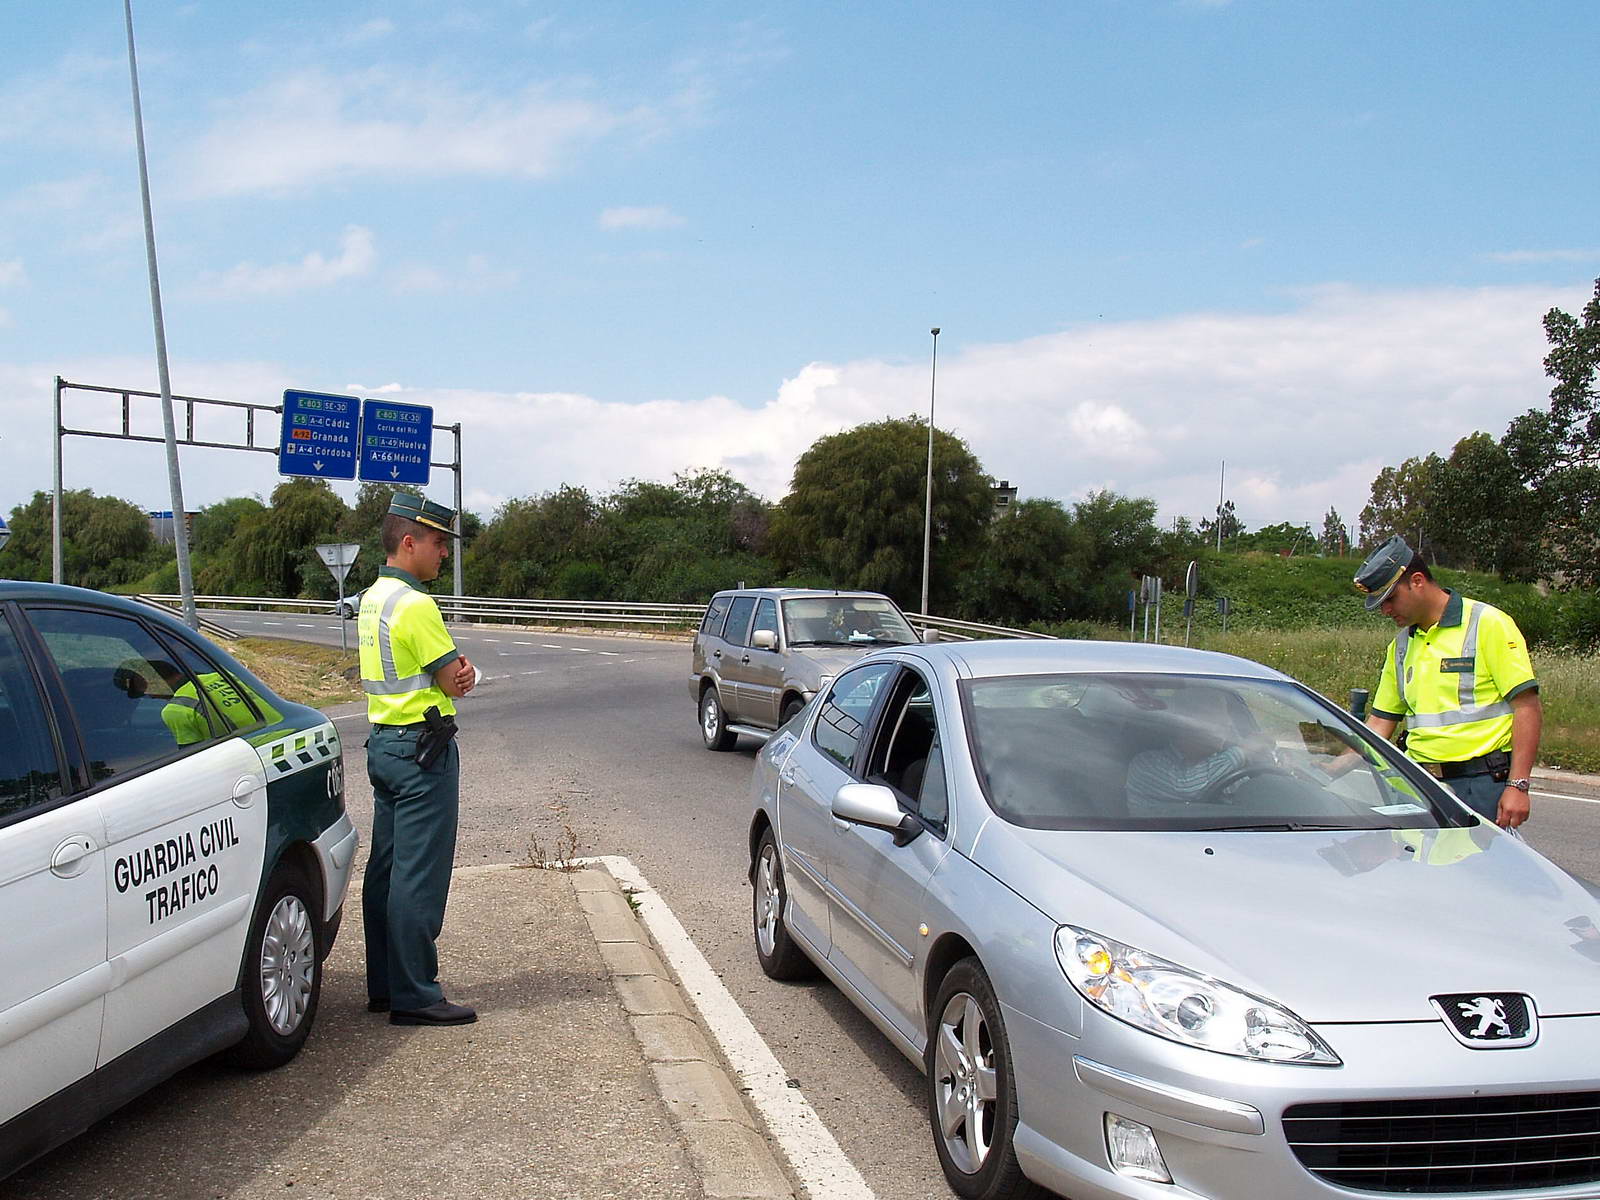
(1169, 752)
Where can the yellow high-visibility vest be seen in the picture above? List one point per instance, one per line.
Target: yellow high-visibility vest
(1452, 684)
(403, 641)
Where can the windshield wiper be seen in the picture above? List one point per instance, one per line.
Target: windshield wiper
(1279, 827)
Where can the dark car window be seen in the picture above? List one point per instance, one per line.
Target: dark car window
(766, 618)
(29, 772)
(738, 626)
(907, 755)
(844, 714)
(228, 705)
(716, 613)
(134, 704)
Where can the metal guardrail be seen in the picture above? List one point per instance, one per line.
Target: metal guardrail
(207, 626)
(582, 612)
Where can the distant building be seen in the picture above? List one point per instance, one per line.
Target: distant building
(161, 525)
(1005, 497)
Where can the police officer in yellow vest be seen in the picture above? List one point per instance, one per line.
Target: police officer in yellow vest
(1458, 675)
(409, 665)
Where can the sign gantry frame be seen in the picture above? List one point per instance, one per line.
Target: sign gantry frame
(254, 428)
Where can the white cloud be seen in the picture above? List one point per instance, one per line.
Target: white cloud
(311, 127)
(1304, 405)
(477, 273)
(12, 273)
(355, 258)
(369, 31)
(654, 217)
(1544, 256)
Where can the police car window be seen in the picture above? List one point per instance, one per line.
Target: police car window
(134, 705)
(29, 772)
(907, 755)
(739, 619)
(845, 712)
(716, 612)
(227, 703)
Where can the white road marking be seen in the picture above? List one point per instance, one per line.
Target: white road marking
(524, 643)
(1564, 796)
(272, 622)
(548, 646)
(580, 649)
(303, 625)
(609, 653)
(822, 1167)
(489, 639)
(529, 672)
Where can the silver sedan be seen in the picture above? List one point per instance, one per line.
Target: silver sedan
(1161, 923)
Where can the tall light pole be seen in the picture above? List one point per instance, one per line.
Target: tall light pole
(180, 530)
(927, 506)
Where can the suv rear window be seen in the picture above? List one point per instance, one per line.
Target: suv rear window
(738, 626)
(716, 613)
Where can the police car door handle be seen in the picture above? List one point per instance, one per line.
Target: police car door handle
(72, 857)
(244, 792)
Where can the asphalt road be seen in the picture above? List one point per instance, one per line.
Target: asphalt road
(594, 739)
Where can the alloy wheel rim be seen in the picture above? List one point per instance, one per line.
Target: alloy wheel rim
(708, 717)
(288, 965)
(965, 1083)
(767, 901)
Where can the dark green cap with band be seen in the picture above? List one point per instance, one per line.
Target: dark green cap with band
(424, 512)
(1384, 568)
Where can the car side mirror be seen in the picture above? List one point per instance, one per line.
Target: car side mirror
(764, 639)
(875, 805)
(930, 635)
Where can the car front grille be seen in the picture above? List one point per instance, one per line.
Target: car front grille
(1462, 1144)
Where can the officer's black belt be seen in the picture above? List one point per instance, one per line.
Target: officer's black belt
(412, 725)
(1484, 764)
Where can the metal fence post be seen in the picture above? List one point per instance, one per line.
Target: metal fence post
(55, 501)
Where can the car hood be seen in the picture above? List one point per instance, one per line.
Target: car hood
(813, 662)
(1338, 926)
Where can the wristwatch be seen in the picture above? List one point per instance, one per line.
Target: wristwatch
(1520, 784)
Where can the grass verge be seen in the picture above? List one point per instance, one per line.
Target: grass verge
(320, 676)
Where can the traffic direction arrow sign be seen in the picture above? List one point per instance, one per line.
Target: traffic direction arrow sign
(396, 442)
(319, 435)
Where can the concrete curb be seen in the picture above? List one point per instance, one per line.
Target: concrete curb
(721, 1133)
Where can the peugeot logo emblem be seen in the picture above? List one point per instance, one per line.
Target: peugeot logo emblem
(1489, 1020)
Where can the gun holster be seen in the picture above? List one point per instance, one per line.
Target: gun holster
(435, 737)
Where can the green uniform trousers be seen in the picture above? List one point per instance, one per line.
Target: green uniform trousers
(1480, 793)
(408, 872)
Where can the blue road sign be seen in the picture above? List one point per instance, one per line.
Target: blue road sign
(396, 442)
(319, 435)
(5, 534)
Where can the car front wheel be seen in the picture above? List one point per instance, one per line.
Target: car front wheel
(714, 723)
(972, 1099)
(282, 974)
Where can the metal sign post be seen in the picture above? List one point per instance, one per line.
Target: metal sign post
(338, 557)
(1157, 580)
(1191, 585)
(1133, 610)
(1224, 607)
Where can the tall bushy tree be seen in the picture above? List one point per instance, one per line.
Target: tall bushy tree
(273, 552)
(1557, 451)
(1032, 567)
(1335, 537)
(105, 541)
(1399, 504)
(854, 512)
(1484, 517)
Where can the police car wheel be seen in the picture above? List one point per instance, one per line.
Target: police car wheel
(282, 973)
(714, 722)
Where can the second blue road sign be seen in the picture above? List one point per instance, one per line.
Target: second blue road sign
(396, 442)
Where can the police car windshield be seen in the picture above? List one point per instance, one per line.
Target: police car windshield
(845, 621)
(1179, 752)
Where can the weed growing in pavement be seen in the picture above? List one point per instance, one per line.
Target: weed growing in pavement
(563, 849)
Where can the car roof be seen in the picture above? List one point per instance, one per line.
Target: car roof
(60, 593)
(779, 593)
(1050, 656)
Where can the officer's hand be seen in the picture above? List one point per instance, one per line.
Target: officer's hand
(1513, 808)
(466, 675)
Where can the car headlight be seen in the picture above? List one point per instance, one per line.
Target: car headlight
(1183, 1005)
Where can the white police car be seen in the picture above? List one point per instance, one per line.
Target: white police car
(174, 854)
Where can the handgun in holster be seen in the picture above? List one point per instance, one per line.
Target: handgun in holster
(435, 738)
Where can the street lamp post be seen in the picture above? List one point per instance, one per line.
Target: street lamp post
(927, 507)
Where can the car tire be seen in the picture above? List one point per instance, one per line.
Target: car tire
(281, 978)
(780, 957)
(714, 722)
(972, 1094)
(791, 709)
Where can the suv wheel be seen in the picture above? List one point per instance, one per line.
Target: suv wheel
(714, 723)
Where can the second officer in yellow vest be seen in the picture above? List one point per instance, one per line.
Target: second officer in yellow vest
(1458, 675)
(412, 674)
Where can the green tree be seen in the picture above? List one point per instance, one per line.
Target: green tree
(1399, 504)
(1282, 538)
(105, 542)
(1032, 567)
(1335, 539)
(523, 546)
(1226, 517)
(272, 552)
(854, 512)
(1486, 519)
(1557, 451)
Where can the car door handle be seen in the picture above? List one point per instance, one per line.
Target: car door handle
(745, 659)
(716, 654)
(786, 775)
(71, 857)
(244, 792)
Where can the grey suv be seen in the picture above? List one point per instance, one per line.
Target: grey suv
(761, 653)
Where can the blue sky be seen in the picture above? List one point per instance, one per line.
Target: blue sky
(622, 240)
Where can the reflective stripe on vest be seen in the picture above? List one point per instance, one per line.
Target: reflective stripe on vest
(392, 684)
(1466, 686)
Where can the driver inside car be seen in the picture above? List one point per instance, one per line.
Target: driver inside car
(1202, 752)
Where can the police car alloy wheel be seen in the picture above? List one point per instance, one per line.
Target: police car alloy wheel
(282, 972)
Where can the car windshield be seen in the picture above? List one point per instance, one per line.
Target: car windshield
(845, 621)
(1185, 753)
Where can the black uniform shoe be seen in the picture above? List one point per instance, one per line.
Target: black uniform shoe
(442, 1013)
(376, 1005)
